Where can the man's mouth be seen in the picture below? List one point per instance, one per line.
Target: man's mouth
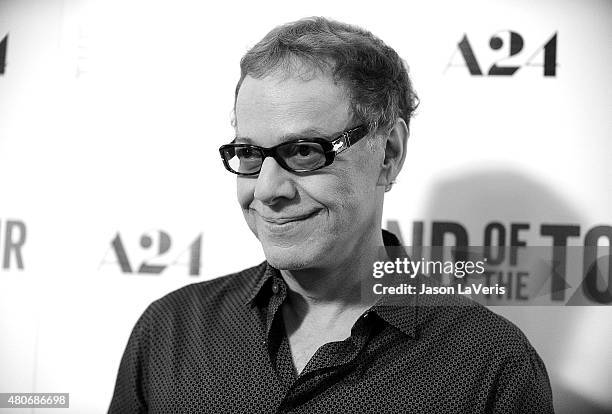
(280, 220)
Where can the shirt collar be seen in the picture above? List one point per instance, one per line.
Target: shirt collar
(400, 315)
(268, 272)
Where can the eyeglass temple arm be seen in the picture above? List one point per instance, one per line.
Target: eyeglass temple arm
(344, 141)
(341, 143)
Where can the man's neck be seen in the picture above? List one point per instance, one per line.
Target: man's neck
(323, 304)
(336, 288)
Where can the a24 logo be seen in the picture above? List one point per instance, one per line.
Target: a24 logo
(510, 44)
(3, 47)
(159, 243)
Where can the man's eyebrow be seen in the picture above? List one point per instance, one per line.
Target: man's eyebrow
(305, 133)
(242, 140)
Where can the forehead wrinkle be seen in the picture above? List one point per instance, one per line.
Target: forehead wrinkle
(280, 99)
(310, 114)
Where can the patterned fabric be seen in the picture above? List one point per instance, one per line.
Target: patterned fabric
(220, 347)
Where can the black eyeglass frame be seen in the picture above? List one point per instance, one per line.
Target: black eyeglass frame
(330, 149)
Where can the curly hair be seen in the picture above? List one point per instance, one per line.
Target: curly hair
(372, 73)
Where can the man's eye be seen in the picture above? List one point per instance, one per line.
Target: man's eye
(245, 152)
(303, 150)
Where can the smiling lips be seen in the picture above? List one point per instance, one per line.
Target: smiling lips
(287, 219)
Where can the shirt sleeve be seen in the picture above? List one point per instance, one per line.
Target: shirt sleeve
(129, 395)
(524, 387)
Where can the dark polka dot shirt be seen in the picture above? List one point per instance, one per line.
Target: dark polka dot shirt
(220, 347)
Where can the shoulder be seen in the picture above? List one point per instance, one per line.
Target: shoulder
(222, 294)
(462, 337)
(475, 328)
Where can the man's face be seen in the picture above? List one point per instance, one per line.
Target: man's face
(315, 219)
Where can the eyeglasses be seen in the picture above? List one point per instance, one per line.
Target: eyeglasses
(298, 155)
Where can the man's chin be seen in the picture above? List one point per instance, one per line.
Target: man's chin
(293, 258)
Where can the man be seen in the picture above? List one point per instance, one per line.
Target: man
(322, 112)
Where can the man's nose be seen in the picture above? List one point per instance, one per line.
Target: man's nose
(274, 183)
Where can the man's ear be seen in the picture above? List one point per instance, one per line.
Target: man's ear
(395, 153)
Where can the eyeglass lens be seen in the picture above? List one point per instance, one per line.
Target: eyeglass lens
(301, 156)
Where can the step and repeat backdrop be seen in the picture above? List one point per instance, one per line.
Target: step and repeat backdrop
(112, 192)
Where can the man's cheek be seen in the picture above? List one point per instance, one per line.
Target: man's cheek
(244, 193)
(251, 221)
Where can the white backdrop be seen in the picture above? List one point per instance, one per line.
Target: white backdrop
(111, 114)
